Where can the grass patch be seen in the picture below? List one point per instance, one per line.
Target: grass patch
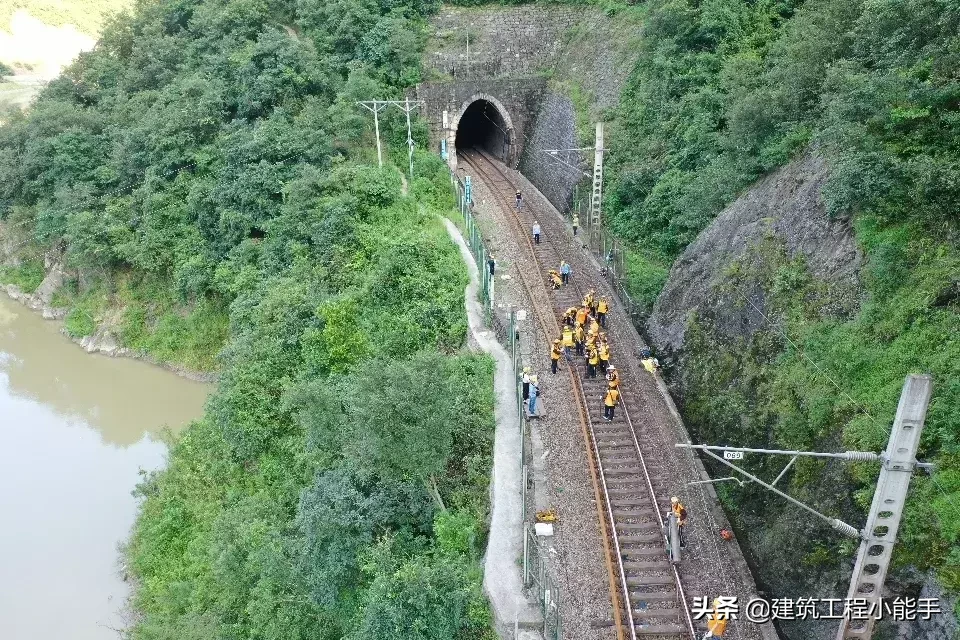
(156, 323)
(582, 102)
(646, 275)
(151, 320)
(66, 295)
(27, 275)
(82, 319)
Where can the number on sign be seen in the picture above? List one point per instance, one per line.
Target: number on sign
(733, 455)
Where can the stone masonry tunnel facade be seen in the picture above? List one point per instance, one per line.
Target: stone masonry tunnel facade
(495, 115)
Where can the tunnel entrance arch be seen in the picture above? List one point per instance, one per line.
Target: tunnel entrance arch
(482, 121)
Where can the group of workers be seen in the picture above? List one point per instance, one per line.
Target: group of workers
(582, 335)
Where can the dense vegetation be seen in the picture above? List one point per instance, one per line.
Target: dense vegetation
(728, 90)
(206, 175)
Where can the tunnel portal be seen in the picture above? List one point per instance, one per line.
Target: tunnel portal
(484, 125)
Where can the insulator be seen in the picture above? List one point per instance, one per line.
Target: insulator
(844, 528)
(861, 456)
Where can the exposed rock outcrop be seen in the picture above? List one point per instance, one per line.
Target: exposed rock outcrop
(42, 297)
(104, 339)
(788, 205)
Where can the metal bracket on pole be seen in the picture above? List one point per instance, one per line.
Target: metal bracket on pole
(839, 525)
(852, 456)
(553, 155)
(785, 469)
(713, 480)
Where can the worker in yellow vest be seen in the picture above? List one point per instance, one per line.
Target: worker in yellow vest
(680, 512)
(610, 403)
(602, 308)
(594, 329)
(555, 352)
(582, 314)
(716, 622)
(604, 352)
(593, 359)
(579, 338)
(651, 364)
(613, 377)
(568, 342)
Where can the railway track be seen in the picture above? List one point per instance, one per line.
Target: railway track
(646, 591)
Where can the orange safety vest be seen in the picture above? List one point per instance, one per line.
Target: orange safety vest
(611, 399)
(582, 315)
(680, 511)
(716, 625)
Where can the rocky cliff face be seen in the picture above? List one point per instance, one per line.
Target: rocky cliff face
(786, 206)
(717, 322)
(723, 303)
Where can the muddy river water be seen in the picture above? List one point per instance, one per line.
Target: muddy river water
(75, 431)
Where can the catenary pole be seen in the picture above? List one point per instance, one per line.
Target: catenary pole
(883, 521)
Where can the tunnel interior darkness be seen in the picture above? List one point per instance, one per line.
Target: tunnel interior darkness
(482, 125)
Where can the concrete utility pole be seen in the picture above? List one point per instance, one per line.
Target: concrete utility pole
(883, 521)
(406, 105)
(880, 533)
(376, 106)
(597, 180)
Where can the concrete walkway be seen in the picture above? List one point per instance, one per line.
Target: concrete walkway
(502, 581)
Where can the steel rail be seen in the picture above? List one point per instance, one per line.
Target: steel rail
(681, 596)
(676, 573)
(600, 497)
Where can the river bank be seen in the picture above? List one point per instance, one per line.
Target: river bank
(104, 339)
